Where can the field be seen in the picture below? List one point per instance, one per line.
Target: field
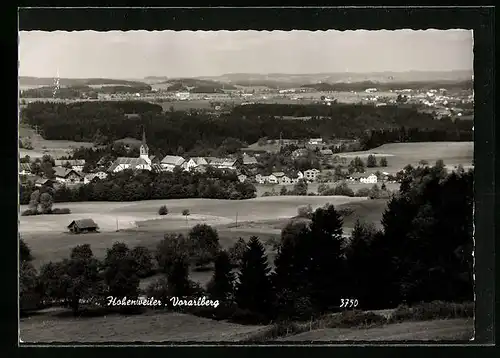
(313, 187)
(139, 223)
(152, 327)
(399, 155)
(55, 148)
(436, 330)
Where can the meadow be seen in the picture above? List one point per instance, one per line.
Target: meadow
(399, 155)
(148, 327)
(41, 146)
(140, 224)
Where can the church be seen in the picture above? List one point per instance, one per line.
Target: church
(141, 163)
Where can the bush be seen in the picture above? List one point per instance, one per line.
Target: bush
(305, 211)
(29, 212)
(433, 310)
(363, 192)
(277, 330)
(57, 211)
(163, 210)
(349, 319)
(185, 212)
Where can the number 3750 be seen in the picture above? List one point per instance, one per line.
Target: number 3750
(348, 303)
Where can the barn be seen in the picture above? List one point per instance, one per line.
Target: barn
(82, 226)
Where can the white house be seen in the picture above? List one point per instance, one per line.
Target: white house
(261, 179)
(316, 141)
(285, 180)
(172, 161)
(272, 179)
(76, 164)
(311, 174)
(371, 179)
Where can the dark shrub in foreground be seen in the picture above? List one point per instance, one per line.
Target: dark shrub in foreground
(163, 210)
(29, 212)
(60, 211)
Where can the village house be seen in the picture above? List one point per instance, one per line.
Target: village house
(284, 180)
(300, 153)
(170, 162)
(24, 168)
(261, 179)
(274, 178)
(311, 174)
(223, 163)
(249, 160)
(315, 141)
(193, 163)
(242, 178)
(202, 169)
(67, 176)
(326, 152)
(76, 164)
(83, 226)
(44, 182)
(141, 163)
(371, 179)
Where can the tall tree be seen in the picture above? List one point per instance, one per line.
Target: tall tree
(221, 286)
(254, 289)
(326, 250)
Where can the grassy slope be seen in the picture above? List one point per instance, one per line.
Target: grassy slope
(453, 329)
(152, 327)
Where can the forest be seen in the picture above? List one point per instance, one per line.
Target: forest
(105, 122)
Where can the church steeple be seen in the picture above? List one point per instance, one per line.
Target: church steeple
(144, 150)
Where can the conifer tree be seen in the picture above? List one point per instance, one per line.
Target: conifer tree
(254, 289)
(221, 286)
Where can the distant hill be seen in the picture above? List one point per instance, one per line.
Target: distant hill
(384, 86)
(49, 81)
(284, 80)
(197, 85)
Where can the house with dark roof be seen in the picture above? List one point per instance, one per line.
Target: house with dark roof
(44, 182)
(169, 162)
(83, 226)
(67, 176)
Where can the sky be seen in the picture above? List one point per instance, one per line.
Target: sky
(137, 54)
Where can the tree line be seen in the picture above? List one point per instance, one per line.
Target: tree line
(128, 185)
(420, 255)
(170, 130)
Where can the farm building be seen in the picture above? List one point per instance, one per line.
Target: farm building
(326, 152)
(371, 179)
(44, 182)
(249, 160)
(172, 161)
(82, 226)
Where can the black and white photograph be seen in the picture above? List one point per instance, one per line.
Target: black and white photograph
(246, 187)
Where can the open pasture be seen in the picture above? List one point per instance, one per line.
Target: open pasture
(148, 327)
(399, 155)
